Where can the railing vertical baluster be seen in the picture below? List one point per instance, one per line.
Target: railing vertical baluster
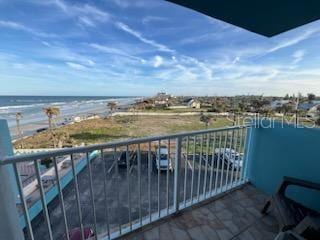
(240, 158)
(223, 159)
(63, 210)
(218, 163)
(185, 173)
(177, 175)
(206, 167)
(212, 163)
(75, 178)
(139, 183)
(200, 168)
(168, 165)
(92, 194)
(115, 160)
(43, 199)
(158, 156)
(149, 178)
(193, 165)
(229, 158)
(105, 184)
(24, 203)
(234, 158)
(243, 170)
(128, 181)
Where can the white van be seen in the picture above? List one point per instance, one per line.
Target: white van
(162, 161)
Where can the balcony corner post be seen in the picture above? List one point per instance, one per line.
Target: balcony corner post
(9, 219)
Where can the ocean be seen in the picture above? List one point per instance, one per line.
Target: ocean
(31, 107)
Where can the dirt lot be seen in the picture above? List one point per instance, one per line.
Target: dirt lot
(124, 127)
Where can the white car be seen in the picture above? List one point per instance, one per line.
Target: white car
(234, 158)
(162, 161)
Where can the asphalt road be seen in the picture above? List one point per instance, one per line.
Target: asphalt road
(109, 186)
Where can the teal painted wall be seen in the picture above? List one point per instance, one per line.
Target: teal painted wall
(7, 150)
(53, 192)
(285, 151)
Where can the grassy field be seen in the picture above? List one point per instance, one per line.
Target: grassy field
(124, 127)
(174, 110)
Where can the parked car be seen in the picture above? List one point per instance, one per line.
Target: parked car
(66, 163)
(75, 234)
(232, 159)
(162, 160)
(47, 180)
(122, 159)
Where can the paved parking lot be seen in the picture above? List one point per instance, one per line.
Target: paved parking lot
(108, 186)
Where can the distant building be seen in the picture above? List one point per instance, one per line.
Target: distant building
(193, 103)
(162, 99)
(308, 105)
(144, 104)
(314, 112)
(279, 103)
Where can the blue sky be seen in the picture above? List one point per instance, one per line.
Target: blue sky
(126, 47)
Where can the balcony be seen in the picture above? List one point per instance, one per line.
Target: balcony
(212, 185)
(236, 215)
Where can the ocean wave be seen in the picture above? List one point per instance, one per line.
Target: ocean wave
(21, 106)
(64, 105)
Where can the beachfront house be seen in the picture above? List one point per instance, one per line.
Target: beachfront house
(216, 182)
(308, 105)
(194, 103)
(314, 112)
(162, 100)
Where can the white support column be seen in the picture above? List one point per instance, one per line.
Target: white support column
(9, 218)
(177, 169)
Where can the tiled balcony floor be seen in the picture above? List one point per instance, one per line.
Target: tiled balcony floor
(234, 216)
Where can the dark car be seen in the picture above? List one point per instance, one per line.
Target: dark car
(220, 161)
(122, 159)
(75, 234)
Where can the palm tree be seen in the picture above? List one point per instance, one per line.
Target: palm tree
(112, 106)
(51, 112)
(18, 118)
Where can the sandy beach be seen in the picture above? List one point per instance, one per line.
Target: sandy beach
(32, 123)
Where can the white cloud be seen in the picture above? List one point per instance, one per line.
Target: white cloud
(236, 59)
(293, 40)
(151, 19)
(107, 49)
(115, 51)
(63, 54)
(85, 9)
(46, 43)
(76, 66)
(138, 35)
(61, 5)
(86, 14)
(122, 3)
(298, 56)
(158, 61)
(21, 27)
(137, 3)
(87, 21)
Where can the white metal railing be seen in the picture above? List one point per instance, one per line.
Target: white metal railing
(95, 192)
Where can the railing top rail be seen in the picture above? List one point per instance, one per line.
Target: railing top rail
(101, 146)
